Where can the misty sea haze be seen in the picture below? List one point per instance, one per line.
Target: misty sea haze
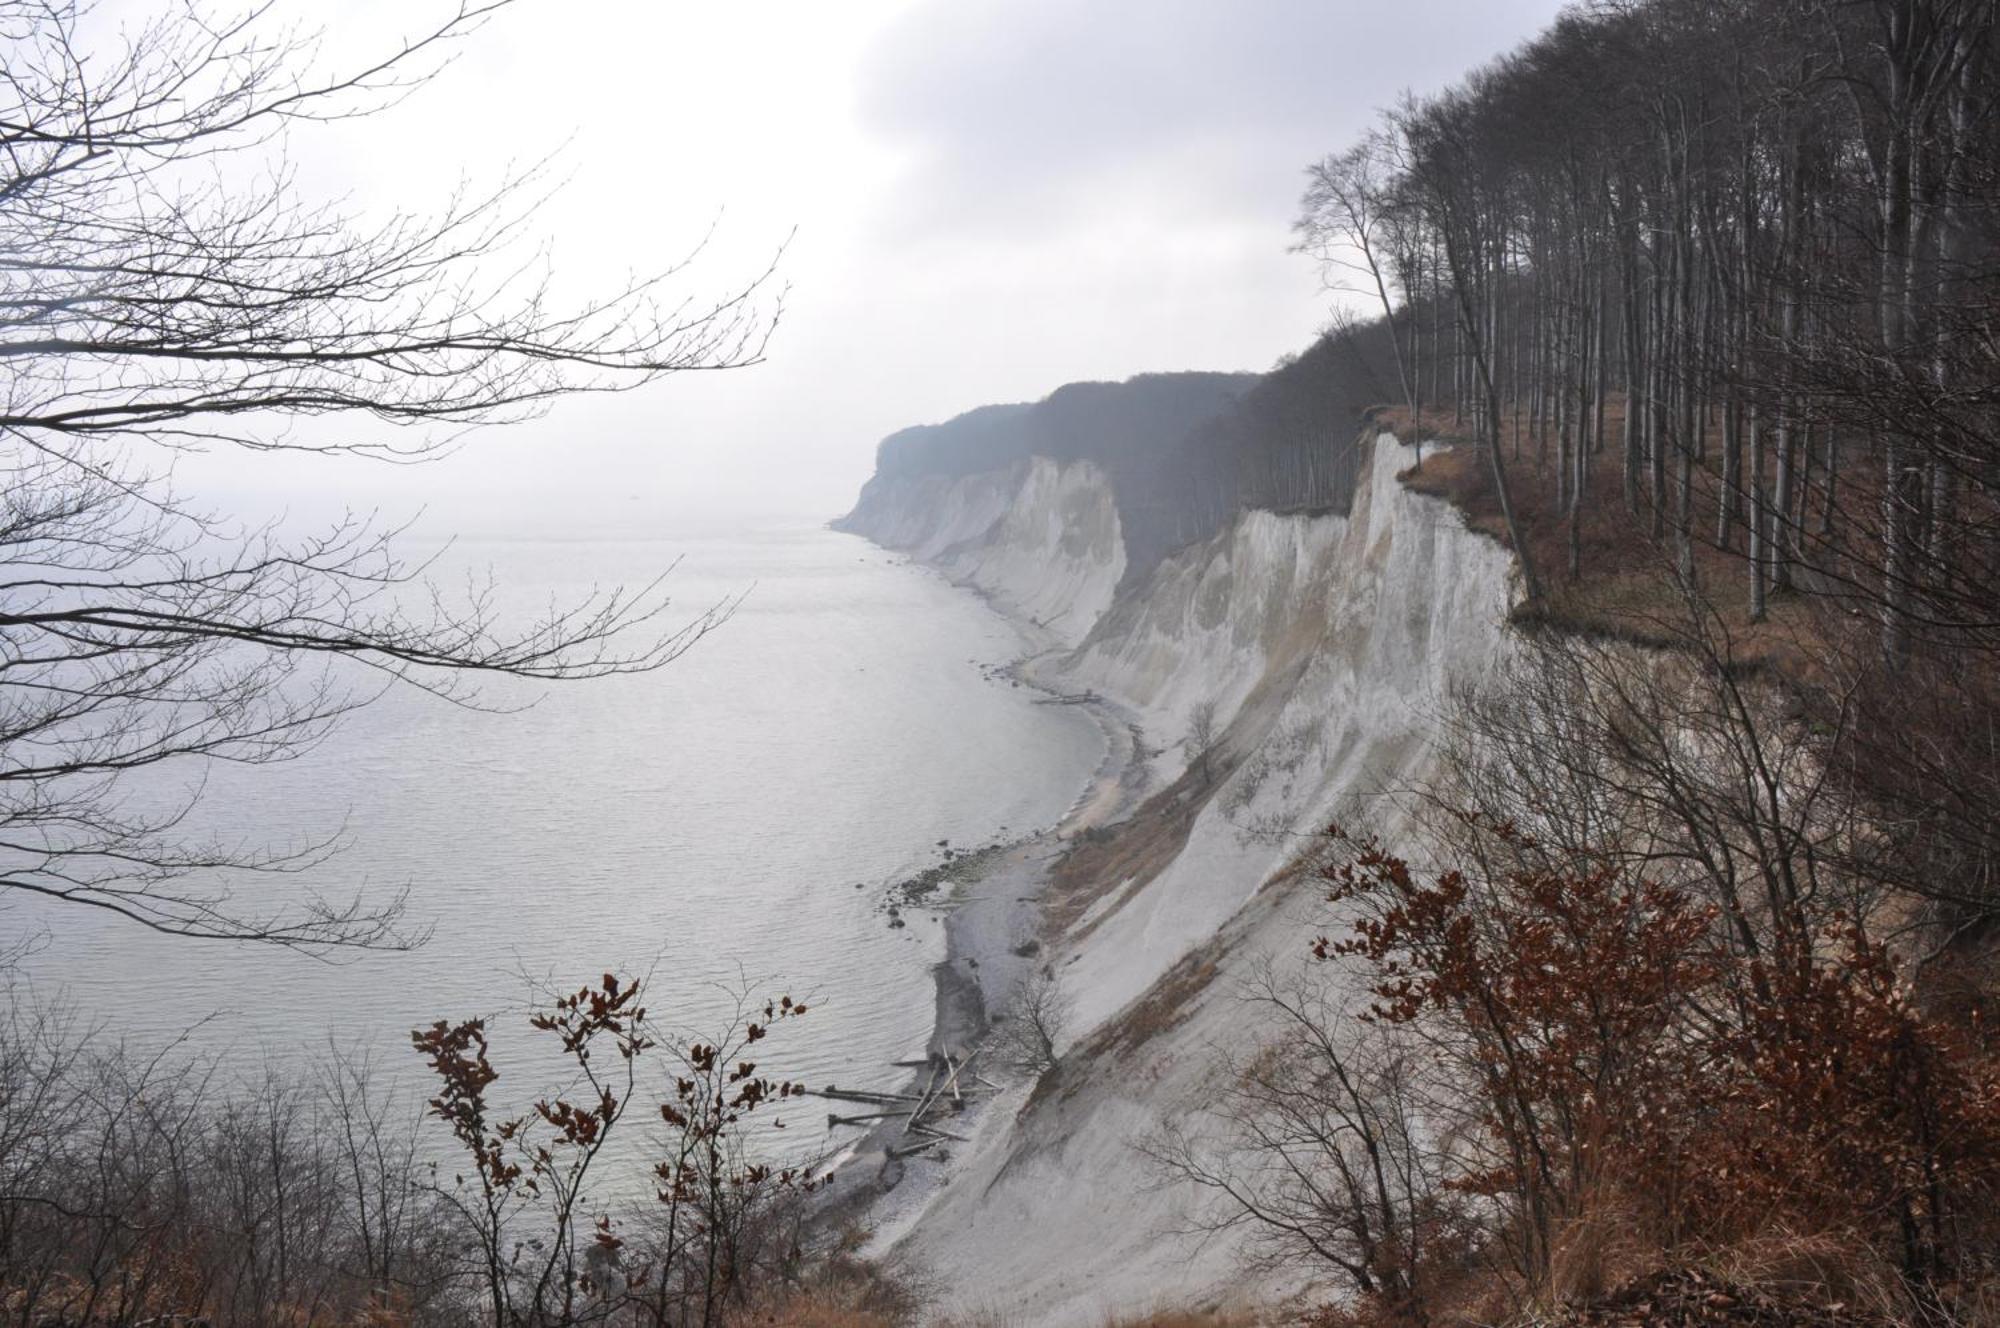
(710, 821)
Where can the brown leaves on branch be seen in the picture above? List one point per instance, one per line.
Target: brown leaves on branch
(1603, 1033)
(551, 1251)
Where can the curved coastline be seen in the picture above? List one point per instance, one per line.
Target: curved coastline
(991, 926)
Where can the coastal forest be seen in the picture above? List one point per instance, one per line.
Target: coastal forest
(1705, 292)
(1651, 979)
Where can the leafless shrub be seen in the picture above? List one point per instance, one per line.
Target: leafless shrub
(1201, 738)
(137, 1187)
(1320, 1147)
(1038, 1017)
(134, 1189)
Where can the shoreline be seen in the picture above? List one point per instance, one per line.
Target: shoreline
(992, 923)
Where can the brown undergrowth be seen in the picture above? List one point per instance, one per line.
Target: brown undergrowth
(1826, 1154)
(843, 1292)
(1624, 585)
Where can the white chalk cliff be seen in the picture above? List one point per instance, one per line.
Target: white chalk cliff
(1041, 540)
(1325, 645)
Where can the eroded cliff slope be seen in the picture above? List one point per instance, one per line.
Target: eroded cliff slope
(1039, 538)
(1321, 648)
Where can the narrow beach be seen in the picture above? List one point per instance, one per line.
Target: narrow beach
(992, 924)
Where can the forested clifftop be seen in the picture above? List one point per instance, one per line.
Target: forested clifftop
(1038, 538)
(1719, 331)
(1772, 234)
(1180, 453)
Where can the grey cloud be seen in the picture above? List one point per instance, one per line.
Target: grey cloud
(1036, 113)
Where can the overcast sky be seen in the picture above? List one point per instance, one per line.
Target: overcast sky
(990, 198)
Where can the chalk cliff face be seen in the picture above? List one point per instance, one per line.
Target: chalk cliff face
(1324, 645)
(1040, 538)
(1327, 646)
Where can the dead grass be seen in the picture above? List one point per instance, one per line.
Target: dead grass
(1825, 1268)
(843, 1292)
(1602, 1246)
(800, 1311)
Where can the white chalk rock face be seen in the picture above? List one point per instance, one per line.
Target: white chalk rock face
(1041, 539)
(1325, 646)
(1210, 626)
(1328, 645)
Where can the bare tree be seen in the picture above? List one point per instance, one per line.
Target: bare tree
(1448, 177)
(1348, 222)
(553, 1246)
(134, 1188)
(1036, 1021)
(151, 1189)
(1315, 1148)
(148, 308)
(1202, 735)
(374, 1134)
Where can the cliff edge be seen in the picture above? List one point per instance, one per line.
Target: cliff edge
(1285, 670)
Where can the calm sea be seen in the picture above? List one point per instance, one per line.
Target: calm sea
(733, 818)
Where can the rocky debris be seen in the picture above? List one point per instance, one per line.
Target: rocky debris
(957, 864)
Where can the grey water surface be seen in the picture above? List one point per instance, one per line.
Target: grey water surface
(709, 822)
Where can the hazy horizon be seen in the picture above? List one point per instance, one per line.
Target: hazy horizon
(984, 201)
